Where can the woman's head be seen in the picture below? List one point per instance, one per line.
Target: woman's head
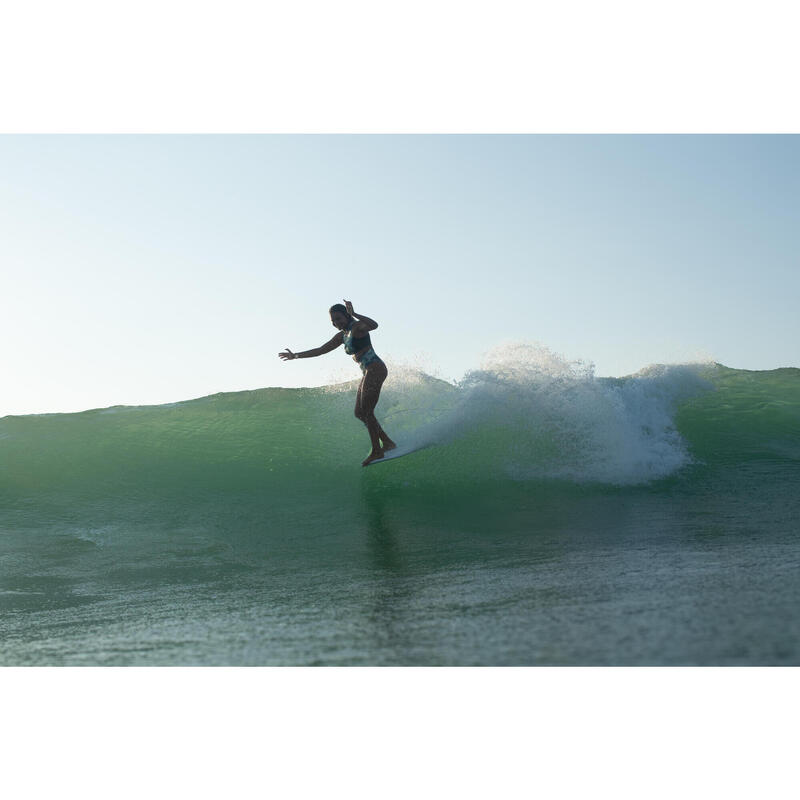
(339, 317)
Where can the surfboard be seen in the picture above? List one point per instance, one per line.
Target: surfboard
(398, 452)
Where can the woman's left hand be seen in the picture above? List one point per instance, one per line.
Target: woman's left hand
(349, 306)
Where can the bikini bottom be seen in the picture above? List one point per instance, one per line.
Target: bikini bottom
(369, 357)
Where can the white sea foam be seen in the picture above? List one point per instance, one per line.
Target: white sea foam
(533, 414)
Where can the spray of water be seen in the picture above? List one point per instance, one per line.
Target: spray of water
(530, 413)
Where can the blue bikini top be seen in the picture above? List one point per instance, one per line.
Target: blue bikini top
(353, 346)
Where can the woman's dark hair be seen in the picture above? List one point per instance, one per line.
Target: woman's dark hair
(339, 307)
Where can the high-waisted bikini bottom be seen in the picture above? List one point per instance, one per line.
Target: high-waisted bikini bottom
(369, 357)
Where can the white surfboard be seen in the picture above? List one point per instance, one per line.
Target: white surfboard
(398, 452)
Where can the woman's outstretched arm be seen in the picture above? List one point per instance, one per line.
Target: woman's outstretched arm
(288, 355)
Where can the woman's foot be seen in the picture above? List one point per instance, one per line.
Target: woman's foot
(388, 444)
(373, 456)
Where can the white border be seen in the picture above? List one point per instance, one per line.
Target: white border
(399, 733)
(421, 66)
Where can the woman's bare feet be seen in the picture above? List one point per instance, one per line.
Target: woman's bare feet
(373, 456)
(388, 444)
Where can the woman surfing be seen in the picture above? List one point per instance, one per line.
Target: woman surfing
(354, 335)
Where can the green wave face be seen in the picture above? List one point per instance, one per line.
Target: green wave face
(748, 416)
(498, 425)
(542, 506)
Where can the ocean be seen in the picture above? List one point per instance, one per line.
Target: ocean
(548, 517)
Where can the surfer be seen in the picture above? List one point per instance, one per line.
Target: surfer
(354, 335)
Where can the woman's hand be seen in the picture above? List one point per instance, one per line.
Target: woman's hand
(287, 355)
(364, 324)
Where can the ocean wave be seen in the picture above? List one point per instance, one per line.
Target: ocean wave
(525, 414)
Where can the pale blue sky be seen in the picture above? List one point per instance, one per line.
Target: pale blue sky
(149, 269)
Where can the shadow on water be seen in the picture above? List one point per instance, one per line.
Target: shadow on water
(388, 613)
(382, 543)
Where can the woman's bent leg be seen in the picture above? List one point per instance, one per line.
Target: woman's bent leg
(368, 394)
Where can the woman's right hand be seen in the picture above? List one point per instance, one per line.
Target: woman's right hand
(287, 355)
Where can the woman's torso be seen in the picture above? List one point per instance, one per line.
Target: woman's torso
(354, 346)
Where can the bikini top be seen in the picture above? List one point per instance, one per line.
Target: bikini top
(353, 346)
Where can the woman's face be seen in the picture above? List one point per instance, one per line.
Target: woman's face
(339, 320)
